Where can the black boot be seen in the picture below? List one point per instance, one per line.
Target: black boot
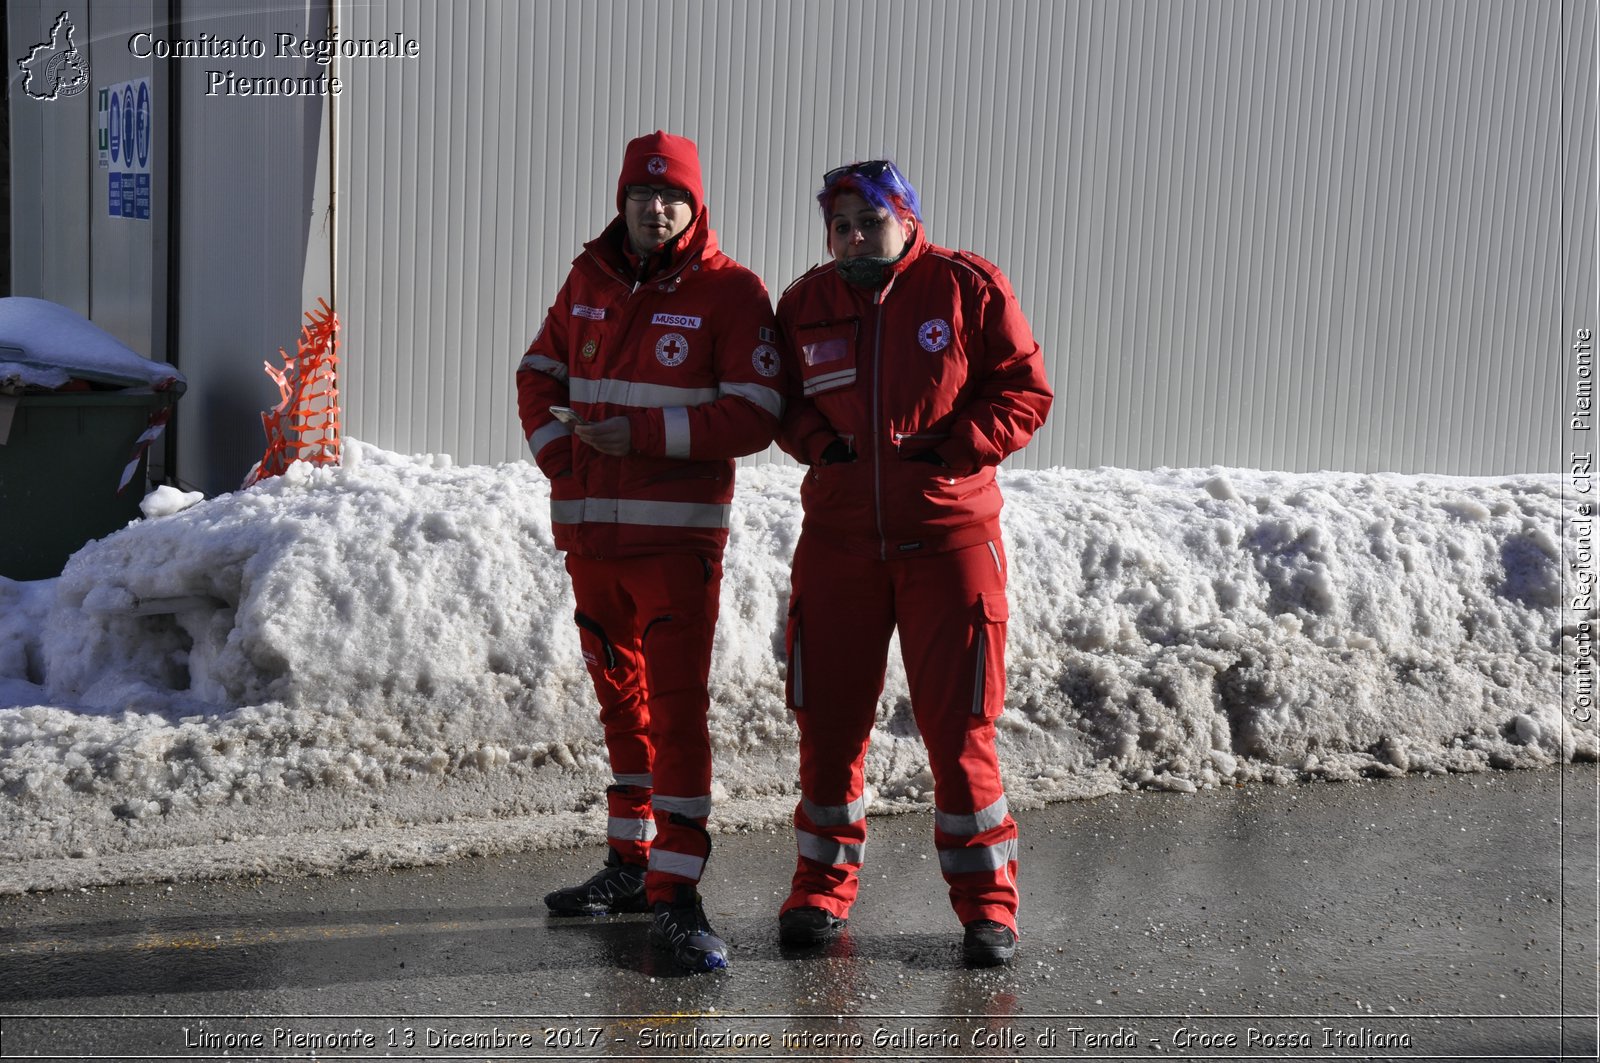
(615, 888)
(680, 927)
(988, 943)
(680, 924)
(808, 926)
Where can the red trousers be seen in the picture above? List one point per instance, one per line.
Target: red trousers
(951, 611)
(645, 626)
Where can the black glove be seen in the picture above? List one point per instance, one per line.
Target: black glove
(836, 453)
(931, 457)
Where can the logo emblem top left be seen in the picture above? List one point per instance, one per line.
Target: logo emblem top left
(55, 69)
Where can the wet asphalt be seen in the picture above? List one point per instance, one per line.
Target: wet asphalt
(1415, 918)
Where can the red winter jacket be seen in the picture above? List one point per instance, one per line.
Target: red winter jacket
(939, 359)
(688, 356)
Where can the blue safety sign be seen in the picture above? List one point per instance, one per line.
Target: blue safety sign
(116, 123)
(127, 127)
(124, 132)
(141, 131)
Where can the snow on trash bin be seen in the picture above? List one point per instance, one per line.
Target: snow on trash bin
(46, 345)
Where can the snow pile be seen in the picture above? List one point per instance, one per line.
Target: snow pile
(376, 664)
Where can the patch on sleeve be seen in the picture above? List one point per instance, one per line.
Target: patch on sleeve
(765, 359)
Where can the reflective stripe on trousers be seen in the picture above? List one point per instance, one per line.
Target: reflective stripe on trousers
(693, 807)
(834, 815)
(968, 825)
(681, 864)
(630, 830)
(988, 858)
(827, 851)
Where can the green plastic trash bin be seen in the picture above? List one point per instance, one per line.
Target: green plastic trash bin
(74, 401)
(60, 464)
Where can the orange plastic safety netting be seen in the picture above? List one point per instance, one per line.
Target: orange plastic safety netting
(304, 425)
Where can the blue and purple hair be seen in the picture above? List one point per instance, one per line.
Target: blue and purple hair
(879, 182)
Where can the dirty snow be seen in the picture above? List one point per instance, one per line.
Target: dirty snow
(375, 665)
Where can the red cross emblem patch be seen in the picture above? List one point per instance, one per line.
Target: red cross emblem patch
(765, 359)
(934, 335)
(672, 349)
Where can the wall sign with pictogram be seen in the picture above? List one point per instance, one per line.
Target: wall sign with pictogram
(123, 131)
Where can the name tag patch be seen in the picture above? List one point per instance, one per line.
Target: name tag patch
(824, 351)
(593, 313)
(675, 320)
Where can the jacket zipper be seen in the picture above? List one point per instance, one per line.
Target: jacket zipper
(634, 285)
(629, 307)
(877, 419)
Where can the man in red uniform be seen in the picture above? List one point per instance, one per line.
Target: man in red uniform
(913, 373)
(655, 368)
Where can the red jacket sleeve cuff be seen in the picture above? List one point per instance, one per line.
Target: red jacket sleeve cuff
(645, 431)
(555, 457)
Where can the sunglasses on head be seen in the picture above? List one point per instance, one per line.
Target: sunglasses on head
(870, 170)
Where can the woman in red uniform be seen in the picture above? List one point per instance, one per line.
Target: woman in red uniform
(914, 373)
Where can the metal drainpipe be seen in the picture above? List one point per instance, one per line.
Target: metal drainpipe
(331, 101)
(174, 179)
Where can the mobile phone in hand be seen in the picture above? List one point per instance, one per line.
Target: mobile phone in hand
(567, 415)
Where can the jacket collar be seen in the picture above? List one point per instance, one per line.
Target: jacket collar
(697, 243)
(918, 245)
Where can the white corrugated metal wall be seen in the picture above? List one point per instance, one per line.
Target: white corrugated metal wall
(1290, 236)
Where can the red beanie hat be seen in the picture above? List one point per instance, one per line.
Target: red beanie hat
(662, 159)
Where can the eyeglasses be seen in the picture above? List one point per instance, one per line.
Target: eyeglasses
(672, 197)
(870, 170)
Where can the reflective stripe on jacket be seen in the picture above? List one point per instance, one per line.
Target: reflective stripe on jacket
(688, 354)
(939, 359)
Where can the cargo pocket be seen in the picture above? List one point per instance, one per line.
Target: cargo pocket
(597, 649)
(989, 680)
(827, 354)
(793, 680)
